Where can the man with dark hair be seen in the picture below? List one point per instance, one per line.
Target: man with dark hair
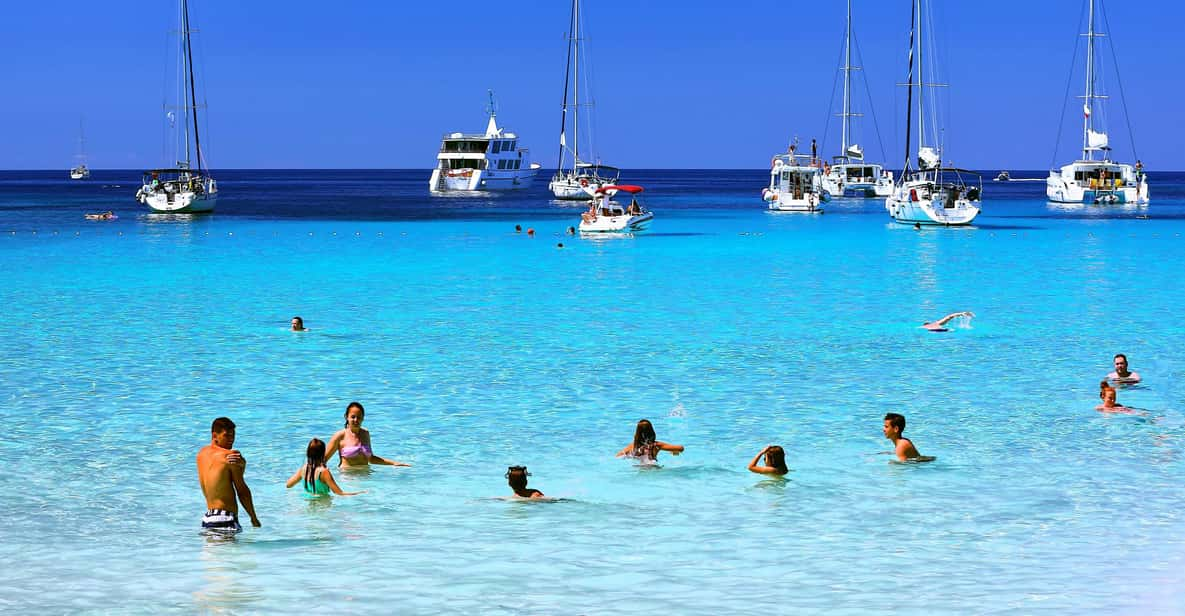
(902, 447)
(1121, 374)
(220, 473)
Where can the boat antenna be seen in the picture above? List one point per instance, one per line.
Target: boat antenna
(491, 107)
(197, 143)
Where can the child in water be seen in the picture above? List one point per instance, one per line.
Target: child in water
(775, 461)
(902, 447)
(516, 476)
(318, 481)
(646, 445)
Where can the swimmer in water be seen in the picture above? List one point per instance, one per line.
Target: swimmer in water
(353, 442)
(318, 481)
(516, 476)
(775, 461)
(646, 445)
(1122, 374)
(298, 325)
(940, 324)
(902, 447)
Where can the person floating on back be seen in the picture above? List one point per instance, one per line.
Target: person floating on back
(646, 445)
(516, 476)
(1122, 374)
(220, 473)
(318, 481)
(902, 447)
(940, 324)
(775, 461)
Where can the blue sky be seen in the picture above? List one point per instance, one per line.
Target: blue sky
(678, 84)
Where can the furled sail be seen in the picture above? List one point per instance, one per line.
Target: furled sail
(928, 158)
(1096, 141)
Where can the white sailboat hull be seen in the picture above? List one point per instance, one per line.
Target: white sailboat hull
(626, 222)
(569, 187)
(914, 204)
(184, 202)
(79, 174)
(1125, 187)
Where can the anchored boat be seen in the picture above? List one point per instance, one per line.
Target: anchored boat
(186, 188)
(607, 215)
(482, 161)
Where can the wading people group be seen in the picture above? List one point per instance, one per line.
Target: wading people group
(221, 467)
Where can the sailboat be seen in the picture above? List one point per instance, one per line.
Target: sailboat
(849, 175)
(80, 172)
(929, 193)
(580, 179)
(1091, 179)
(186, 187)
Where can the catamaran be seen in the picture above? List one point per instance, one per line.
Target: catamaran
(575, 178)
(849, 175)
(80, 172)
(479, 162)
(608, 215)
(1091, 179)
(187, 187)
(795, 184)
(930, 193)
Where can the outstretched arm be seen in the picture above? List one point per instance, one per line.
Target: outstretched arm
(380, 460)
(948, 318)
(295, 478)
(327, 477)
(626, 451)
(674, 449)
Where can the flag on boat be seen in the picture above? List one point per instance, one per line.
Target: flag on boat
(563, 140)
(1085, 110)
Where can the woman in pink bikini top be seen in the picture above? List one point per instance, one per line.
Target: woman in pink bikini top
(353, 442)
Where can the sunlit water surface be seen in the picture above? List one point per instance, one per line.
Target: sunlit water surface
(474, 348)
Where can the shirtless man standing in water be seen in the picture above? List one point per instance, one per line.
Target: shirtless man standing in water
(220, 471)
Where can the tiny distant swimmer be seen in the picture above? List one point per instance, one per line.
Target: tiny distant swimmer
(646, 445)
(902, 447)
(1122, 374)
(298, 325)
(940, 324)
(775, 461)
(516, 477)
(220, 473)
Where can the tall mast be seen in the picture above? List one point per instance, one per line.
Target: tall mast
(921, 80)
(1087, 151)
(847, 81)
(909, 90)
(559, 165)
(192, 90)
(576, 87)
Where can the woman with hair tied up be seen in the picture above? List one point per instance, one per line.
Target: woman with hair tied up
(318, 481)
(646, 445)
(775, 461)
(352, 443)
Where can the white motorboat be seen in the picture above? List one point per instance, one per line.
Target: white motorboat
(1095, 178)
(795, 184)
(927, 193)
(187, 187)
(480, 162)
(1003, 176)
(608, 215)
(849, 175)
(80, 172)
(576, 178)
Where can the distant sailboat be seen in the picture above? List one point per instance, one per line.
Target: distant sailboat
(578, 179)
(1091, 179)
(80, 172)
(849, 175)
(929, 193)
(187, 187)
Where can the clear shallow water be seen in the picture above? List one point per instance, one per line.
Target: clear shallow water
(474, 348)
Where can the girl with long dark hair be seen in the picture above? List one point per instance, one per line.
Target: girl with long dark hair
(317, 479)
(646, 445)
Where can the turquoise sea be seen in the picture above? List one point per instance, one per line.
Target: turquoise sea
(474, 348)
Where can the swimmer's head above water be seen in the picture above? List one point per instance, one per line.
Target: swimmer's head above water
(354, 415)
(298, 324)
(516, 478)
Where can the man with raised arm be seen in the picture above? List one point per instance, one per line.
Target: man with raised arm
(220, 472)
